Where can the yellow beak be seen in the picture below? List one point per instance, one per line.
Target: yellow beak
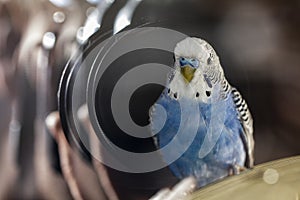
(188, 73)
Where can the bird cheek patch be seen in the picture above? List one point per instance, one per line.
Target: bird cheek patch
(209, 61)
(207, 80)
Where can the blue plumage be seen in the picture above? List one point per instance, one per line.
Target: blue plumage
(205, 120)
(227, 152)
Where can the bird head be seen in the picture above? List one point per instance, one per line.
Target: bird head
(197, 69)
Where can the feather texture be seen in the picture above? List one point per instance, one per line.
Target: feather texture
(205, 117)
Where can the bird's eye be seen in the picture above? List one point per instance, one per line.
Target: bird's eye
(182, 59)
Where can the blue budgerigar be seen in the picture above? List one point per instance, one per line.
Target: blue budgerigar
(201, 113)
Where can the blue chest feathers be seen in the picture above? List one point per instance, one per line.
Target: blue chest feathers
(209, 134)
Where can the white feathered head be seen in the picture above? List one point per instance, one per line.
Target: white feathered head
(197, 70)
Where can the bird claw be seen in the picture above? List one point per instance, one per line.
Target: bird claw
(236, 169)
(180, 191)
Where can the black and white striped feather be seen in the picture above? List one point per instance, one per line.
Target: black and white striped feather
(246, 120)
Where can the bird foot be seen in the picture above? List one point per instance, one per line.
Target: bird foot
(179, 192)
(236, 169)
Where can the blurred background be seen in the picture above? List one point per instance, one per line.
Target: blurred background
(257, 41)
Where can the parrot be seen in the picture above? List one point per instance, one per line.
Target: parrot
(201, 114)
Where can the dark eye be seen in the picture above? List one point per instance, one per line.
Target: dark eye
(207, 81)
(182, 59)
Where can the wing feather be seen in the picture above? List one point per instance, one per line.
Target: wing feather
(246, 120)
